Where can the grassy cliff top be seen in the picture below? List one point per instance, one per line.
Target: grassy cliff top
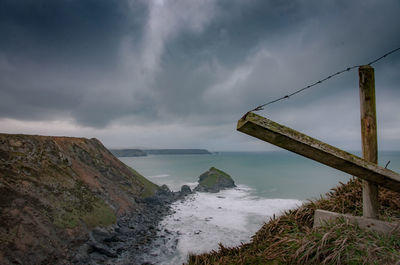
(291, 238)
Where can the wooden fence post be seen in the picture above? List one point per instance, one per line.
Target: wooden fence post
(368, 137)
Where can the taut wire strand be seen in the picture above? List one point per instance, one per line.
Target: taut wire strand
(261, 107)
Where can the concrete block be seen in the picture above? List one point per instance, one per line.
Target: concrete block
(322, 216)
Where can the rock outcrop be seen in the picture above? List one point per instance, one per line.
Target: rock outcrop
(55, 190)
(214, 180)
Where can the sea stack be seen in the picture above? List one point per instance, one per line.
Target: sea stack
(214, 180)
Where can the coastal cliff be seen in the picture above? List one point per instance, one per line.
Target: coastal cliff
(55, 190)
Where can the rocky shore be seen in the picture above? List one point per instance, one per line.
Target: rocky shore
(138, 238)
(132, 239)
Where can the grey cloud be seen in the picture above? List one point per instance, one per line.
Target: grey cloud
(77, 32)
(304, 46)
(194, 63)
(54, 53)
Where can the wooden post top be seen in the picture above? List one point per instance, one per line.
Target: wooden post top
(365, 66)
(294, 141)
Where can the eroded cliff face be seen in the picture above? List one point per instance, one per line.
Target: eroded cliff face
(53, 190)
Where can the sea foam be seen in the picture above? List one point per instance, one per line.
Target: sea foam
(203, 220)
(158, 176)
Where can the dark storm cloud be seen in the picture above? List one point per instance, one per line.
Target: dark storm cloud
(65, 31)
(52, 54)
(189, 62)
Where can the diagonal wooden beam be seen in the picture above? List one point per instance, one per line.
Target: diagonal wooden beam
(289, 139)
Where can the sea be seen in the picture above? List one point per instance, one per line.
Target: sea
(268, 183)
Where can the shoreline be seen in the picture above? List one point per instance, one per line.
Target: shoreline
(132, 238)
(196, 225)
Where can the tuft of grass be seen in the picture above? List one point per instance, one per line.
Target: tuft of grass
(341, 242)
(291, 239)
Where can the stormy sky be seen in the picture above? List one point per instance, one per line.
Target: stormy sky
(180, 73)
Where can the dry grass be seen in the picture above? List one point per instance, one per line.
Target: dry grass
(290, 238)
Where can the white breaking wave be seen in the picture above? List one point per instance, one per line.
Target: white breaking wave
(203, 220)
(159, 176)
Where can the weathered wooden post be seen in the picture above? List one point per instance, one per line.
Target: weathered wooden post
(368, 137)
(365, 168)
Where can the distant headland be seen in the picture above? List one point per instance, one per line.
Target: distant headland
(145, 152)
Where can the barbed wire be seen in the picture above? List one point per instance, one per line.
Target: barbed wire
(261, 107)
